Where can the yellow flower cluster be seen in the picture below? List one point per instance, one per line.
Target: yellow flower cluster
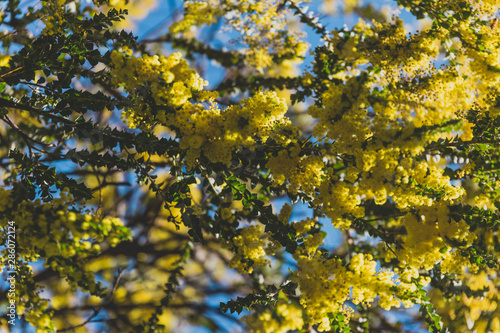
(52, 16)
(326, 284)
(70, 233)
(343, 116)
(481, 65)
(37, 314)
(486, 307)
(382, 122)
(217, 133)
(166, 91)
(285, 213)
(425, 243)
(52, 12)
(302, 172)
(303, 226)
(28, 301)
(338, 198)
(379, 119)
(286, 317)
(167, 81)
(250, 250)
(389, 47)
(479, 314)
(197, 13)
(63, 238)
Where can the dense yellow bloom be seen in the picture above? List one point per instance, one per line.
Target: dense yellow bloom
(288, 317)
(302, 172)
(221, 132)
(197, 14)
(172, 89)
(427, 235)
(169, 79)
(250, 250)
(338, 198)
(326, 284)
(64, 239)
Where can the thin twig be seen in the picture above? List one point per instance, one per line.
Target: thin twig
(51, 145)
(98, 309)
(10, 72)
(18, 130)
(105, 183)
(10, 104)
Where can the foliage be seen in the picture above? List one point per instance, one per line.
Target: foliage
(140, 196)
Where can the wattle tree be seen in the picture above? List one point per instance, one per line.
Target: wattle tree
(245, 165)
